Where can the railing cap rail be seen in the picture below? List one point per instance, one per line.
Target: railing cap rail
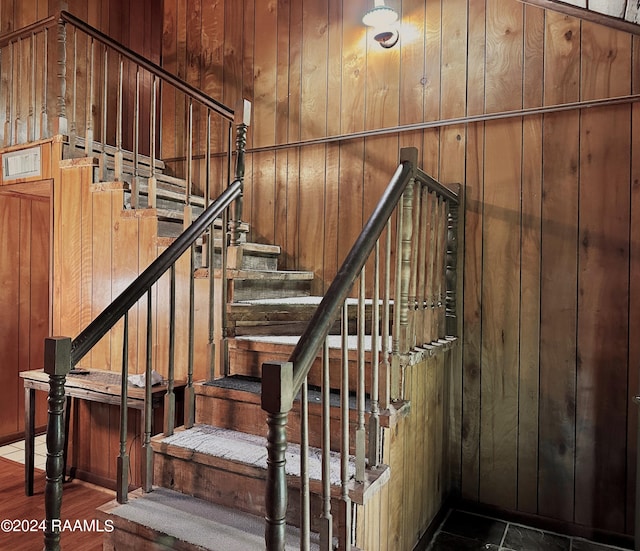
(148, 65)
(66, 17)
(27, 31)
(110, 315)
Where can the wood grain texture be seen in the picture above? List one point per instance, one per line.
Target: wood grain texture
(500, 290)
(318, 75)
(80, 502)
(24, 300)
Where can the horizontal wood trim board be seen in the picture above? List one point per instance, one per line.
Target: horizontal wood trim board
(529, 112)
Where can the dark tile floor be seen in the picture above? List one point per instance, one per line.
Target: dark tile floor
(463, 531)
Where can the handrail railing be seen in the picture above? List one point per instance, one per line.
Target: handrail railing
(105, 321)
(426, 228)
(76, 84)
(154, 69)
(26, 32)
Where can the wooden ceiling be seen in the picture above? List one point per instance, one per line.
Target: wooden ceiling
(622, 14)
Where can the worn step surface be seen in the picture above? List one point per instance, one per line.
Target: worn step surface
(262, 284)
(289, 316)
(234, 403)
(229, 468)
(165, 519)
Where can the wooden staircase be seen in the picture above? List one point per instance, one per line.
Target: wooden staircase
(115, 214)
(215, 472)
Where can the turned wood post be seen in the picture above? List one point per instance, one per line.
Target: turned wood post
(243, 118)
(452, 269)
(403, 275)
(60, 122)
(57, 363)
(277, 400)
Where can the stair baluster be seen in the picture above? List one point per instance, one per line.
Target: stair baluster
(147, 475)
(122, 468)
(344, 427)
(326, 520)
(242, 121)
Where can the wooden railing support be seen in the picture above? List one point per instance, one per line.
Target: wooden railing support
(57, 364)
(243, 119)
(60, 124)
(277, 400)
(451, 269)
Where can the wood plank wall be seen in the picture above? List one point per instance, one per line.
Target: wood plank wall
(551, 256)
(24, 302)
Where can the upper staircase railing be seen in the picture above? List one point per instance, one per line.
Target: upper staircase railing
(420, 283)
(62, 76)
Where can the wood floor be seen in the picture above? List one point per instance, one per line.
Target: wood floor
(78, 504)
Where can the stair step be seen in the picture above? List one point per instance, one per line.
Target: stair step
(228, 467)
(288, 316)
(234, 403)
(97, 148)
(261, 284)
(248, 353)
(165, 519)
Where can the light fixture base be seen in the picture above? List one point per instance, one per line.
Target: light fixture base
(387, 38)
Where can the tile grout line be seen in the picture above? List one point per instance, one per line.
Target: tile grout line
(504, 536)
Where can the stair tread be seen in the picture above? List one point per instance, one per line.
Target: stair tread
(252, 386)
(197, 522)
(249, 449)
(334, 341)
(270, 274)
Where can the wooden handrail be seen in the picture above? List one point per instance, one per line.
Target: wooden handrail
(154, 69)
(112, 314)
(27, 31)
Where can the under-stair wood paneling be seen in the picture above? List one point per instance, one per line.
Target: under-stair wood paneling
(99, 248)
(24, 301)
(551, 206)
(395, 518)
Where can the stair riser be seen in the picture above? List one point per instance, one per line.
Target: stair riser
(127, 535)
(250, 418)
(249, 363)
(242, 492)
(251, 289)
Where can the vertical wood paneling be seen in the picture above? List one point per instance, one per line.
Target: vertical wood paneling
(24, 299)
(500, 290)
(559, 273)
(603, 284)
(101, 271)
(472, 312)
(558, 317)
(634, 297)
(530, 264)
(603, 297)
(10, 304)
(547, 223)
(501, 259)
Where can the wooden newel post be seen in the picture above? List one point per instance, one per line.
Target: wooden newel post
(60, 124)
(403, 276)
(451, 269)
(277, 400)
(57, 364)
(242, 120)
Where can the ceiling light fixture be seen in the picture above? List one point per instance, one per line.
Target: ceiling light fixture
(382, 18)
